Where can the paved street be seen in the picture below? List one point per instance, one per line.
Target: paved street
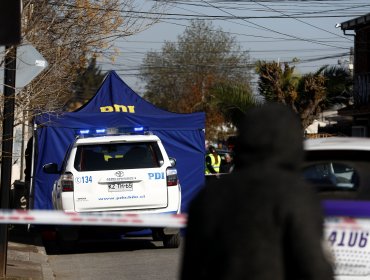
(135, 259)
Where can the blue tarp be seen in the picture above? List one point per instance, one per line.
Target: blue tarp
(117, 105)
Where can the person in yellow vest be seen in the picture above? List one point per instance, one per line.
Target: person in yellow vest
(213, 161)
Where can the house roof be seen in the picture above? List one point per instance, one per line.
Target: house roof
(356, 23)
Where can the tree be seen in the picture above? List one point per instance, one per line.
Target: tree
(338, 83)
(69, 33)
(233, 100)
(276, 83)
(179, 78)
(307, 95)
(87, 83)
(312, 92)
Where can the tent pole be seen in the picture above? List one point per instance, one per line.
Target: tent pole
(31, 191)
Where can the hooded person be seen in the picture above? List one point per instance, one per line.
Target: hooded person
(263, 221)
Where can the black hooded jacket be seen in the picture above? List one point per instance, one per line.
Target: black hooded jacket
(262, 221)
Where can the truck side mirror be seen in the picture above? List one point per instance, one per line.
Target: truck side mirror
(51, 168)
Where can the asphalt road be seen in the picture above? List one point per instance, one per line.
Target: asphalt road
(128, 259)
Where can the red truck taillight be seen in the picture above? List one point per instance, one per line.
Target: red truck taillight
(172, 179)
(66, 181)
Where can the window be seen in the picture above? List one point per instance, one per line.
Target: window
(118, 156)
(333, 175)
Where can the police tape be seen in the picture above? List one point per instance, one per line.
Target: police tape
(354, 209)
(55, 217)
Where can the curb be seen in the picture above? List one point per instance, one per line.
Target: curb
(27, 262)
(26, 257)
(47, 271)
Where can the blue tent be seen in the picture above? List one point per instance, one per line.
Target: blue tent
(117, 105)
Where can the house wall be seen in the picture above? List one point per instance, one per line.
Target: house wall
(362, 67)
(361, 89)
(362, 51)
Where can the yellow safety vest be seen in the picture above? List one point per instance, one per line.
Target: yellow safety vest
(216, 166)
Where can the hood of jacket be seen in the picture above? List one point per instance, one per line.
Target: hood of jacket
(270, 134)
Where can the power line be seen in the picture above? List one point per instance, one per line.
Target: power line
(271, 30)
(295, 18)
(173, 18)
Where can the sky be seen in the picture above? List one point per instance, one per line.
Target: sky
(269, 30)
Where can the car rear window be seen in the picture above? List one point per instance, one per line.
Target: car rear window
(335, 170)
(332, 175)
(117, 156)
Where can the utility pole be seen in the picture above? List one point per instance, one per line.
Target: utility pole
(7, 147)
(10, 36)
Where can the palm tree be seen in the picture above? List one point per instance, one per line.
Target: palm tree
(232, 100)
(307, 95)
(277, 84)
(338, 85)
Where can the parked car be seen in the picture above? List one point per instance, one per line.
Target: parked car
(339, 167)
(130, 173)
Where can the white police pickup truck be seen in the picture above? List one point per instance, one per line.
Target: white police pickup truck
(130, 173)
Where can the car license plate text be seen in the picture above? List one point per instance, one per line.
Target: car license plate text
(120, 187)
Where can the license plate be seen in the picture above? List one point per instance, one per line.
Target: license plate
(120, 187)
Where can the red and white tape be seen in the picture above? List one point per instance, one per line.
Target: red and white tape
(53, 217)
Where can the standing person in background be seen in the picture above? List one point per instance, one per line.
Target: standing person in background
(263, 221)
(228, 165)
(213, 161)
(221, 146)
(28, 157)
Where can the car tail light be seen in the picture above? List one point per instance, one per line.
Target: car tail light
(67, 182)
(172, 179)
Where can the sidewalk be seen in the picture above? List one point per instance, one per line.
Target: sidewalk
(27, 258)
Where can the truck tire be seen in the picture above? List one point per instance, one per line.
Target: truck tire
(172, 240)
(67, 239)
(66, 246)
